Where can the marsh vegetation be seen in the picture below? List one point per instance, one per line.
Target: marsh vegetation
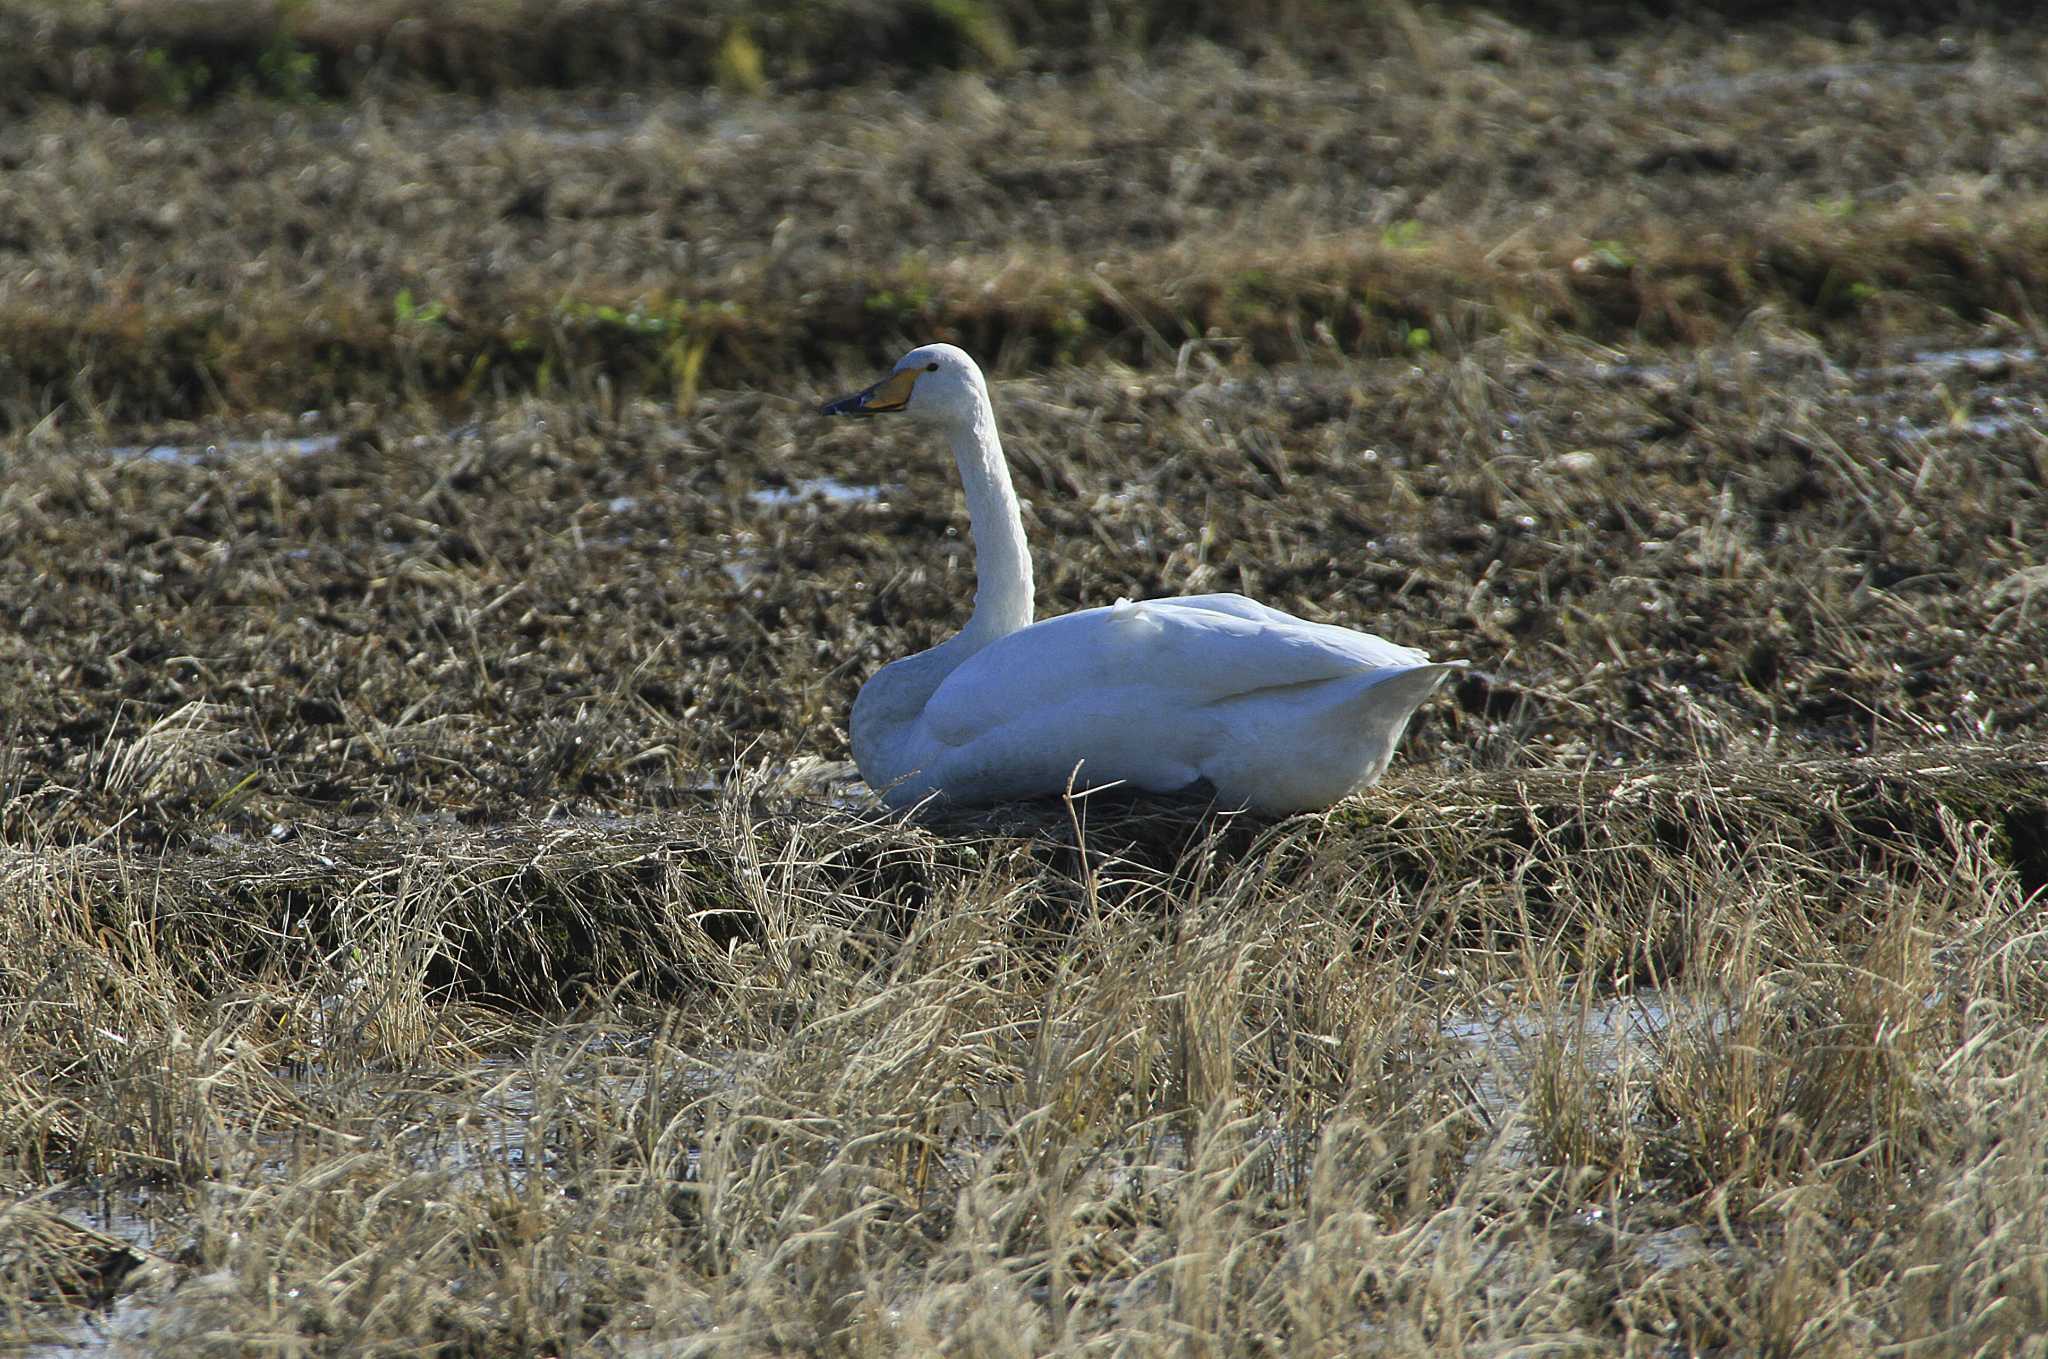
(434, 909)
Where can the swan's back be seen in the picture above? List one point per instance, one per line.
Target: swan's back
(1277, 713)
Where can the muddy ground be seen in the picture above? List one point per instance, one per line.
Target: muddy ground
(556, 607)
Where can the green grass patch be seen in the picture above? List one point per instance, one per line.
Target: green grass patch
(1369, 301)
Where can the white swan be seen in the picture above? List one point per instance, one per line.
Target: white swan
(1276, 713)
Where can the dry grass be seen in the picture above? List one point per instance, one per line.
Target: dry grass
(1153, 1085)
(178, 54)
(1662, 189)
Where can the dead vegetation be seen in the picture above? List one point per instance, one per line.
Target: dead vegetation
(1491, 182)
(1097, 1084)
(178, 55)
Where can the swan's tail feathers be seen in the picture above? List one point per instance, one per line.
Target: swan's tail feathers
(1405, 688)
(1382, 709)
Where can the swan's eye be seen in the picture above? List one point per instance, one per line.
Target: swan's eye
(931, 368)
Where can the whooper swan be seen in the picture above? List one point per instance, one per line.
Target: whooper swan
(1275, 713)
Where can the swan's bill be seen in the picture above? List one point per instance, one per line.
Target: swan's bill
(892, 393)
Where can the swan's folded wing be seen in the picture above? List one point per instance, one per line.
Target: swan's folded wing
(1363, 647)
(1161, 657)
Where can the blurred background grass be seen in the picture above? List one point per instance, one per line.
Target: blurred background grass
(178, 53)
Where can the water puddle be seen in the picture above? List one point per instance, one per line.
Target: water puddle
(118, 1329)
(1839, 79)
(219, 451)
(1621, 1040)
(1966, 380)
(1975, 426)
(1987, 359)
(1983, 363)
(1618, 1036)
(115, 1238)
(485, 1127)
(830, 490)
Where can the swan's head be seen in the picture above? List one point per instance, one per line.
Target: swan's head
(935, 382)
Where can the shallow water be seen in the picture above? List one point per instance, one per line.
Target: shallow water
(1975, 426)
(1989, 362)
(124, 1325)
(831, 490)
(1622, 1037)
(1616, 1036)
(477, 1127)
(206, 454)
(1980, 356)
(125, 1217)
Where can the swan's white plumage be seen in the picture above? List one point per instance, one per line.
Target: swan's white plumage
(1276, 713)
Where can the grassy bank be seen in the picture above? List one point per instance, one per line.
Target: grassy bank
(539, 916)
(282, 257)
(1921, 273)
(175, 55)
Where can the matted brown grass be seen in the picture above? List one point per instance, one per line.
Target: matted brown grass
(1150, 1084)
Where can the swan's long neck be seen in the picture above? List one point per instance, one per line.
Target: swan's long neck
(1002, 559)
(888, 743)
